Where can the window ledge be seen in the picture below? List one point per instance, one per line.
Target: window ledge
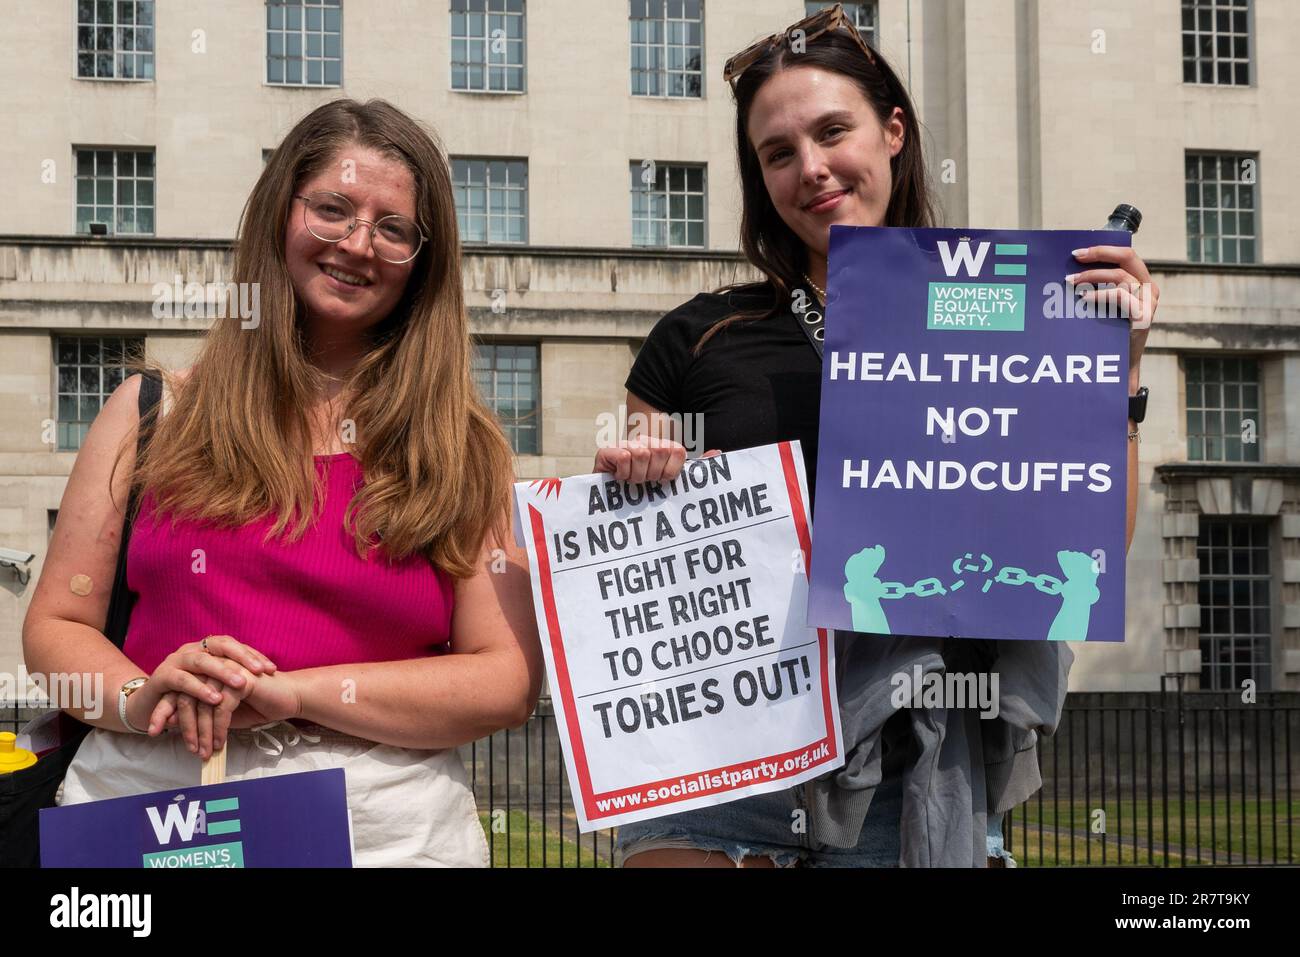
(111, 236)
(1178, 471)
(1247, 269)
(664, 249)
(115, 79)
(302, 86)
(539, 251)
(665, 96)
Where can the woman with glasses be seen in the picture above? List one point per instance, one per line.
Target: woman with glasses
(825, 133)
(321, 556)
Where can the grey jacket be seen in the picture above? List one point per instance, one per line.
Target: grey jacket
(956, 766)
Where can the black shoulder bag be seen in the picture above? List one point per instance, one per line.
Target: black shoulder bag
(23, 793)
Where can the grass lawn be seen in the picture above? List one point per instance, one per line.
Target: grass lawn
(522, 841)
(1128, 838)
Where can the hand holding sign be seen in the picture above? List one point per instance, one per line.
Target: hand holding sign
(180, 674)
(227, 673)
(1131, 292)
(644, 458)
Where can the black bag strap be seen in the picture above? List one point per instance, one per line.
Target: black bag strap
(813, 324)
(122, 598)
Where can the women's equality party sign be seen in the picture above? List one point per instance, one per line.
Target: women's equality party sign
(284, 820)
(672, 617)
(972, 465)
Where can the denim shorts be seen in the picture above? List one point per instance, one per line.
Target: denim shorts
(767, 825)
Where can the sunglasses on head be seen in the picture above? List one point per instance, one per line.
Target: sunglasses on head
(807, 30)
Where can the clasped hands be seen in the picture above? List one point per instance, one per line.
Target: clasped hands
(207, 687)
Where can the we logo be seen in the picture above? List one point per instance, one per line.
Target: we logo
(971, 259)
(185, 825)
(990, 306)
(182, 821)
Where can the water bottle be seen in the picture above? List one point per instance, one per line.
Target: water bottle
(1125, 217)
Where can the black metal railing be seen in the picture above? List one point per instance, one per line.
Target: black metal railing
(1166, 778)
(523, 797)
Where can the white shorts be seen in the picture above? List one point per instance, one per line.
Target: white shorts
(409, 808)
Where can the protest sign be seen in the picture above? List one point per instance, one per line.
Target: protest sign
(286, 820)
(972, 464)
(672, 618)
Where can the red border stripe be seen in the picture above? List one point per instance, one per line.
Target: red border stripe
(561, 663)
(805, 543)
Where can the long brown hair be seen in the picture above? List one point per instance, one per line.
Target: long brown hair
(237, 444)
(768, 243)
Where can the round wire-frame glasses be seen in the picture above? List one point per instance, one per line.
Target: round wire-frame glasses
(331, 218)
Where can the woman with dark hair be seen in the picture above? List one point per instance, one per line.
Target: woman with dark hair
(321, 551)
(825, 133)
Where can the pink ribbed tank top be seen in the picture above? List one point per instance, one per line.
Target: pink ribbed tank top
(303, 604)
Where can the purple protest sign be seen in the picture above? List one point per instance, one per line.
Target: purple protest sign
(286, 820)
(972, 465)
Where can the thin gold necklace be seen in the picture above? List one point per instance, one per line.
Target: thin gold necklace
(821, 293)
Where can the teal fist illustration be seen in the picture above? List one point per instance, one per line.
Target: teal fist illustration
(1079, 592)
(863, 590)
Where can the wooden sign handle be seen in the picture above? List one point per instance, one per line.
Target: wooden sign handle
(214, 768)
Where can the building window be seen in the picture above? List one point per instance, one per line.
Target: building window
(116, 188)
(1221, 206)
(667, 204)
(1223, 415)
(487, 45)
(861, 15)
(115, 39)
(507, 377)
(667, 47)
(1216, 42)
(304, 42)
(87, 370)
(491, 200)
(1234, 598)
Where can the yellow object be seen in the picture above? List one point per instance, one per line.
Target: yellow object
(12, 757)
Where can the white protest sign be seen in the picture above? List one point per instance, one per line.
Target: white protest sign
(672, 617)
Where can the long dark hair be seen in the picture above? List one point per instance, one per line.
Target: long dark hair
(768, 243)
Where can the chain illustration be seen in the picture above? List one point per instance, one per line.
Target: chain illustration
(1009, 575)
(1078, 590)
(922, 589)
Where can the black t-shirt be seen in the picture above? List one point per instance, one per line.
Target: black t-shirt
(756, 382)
